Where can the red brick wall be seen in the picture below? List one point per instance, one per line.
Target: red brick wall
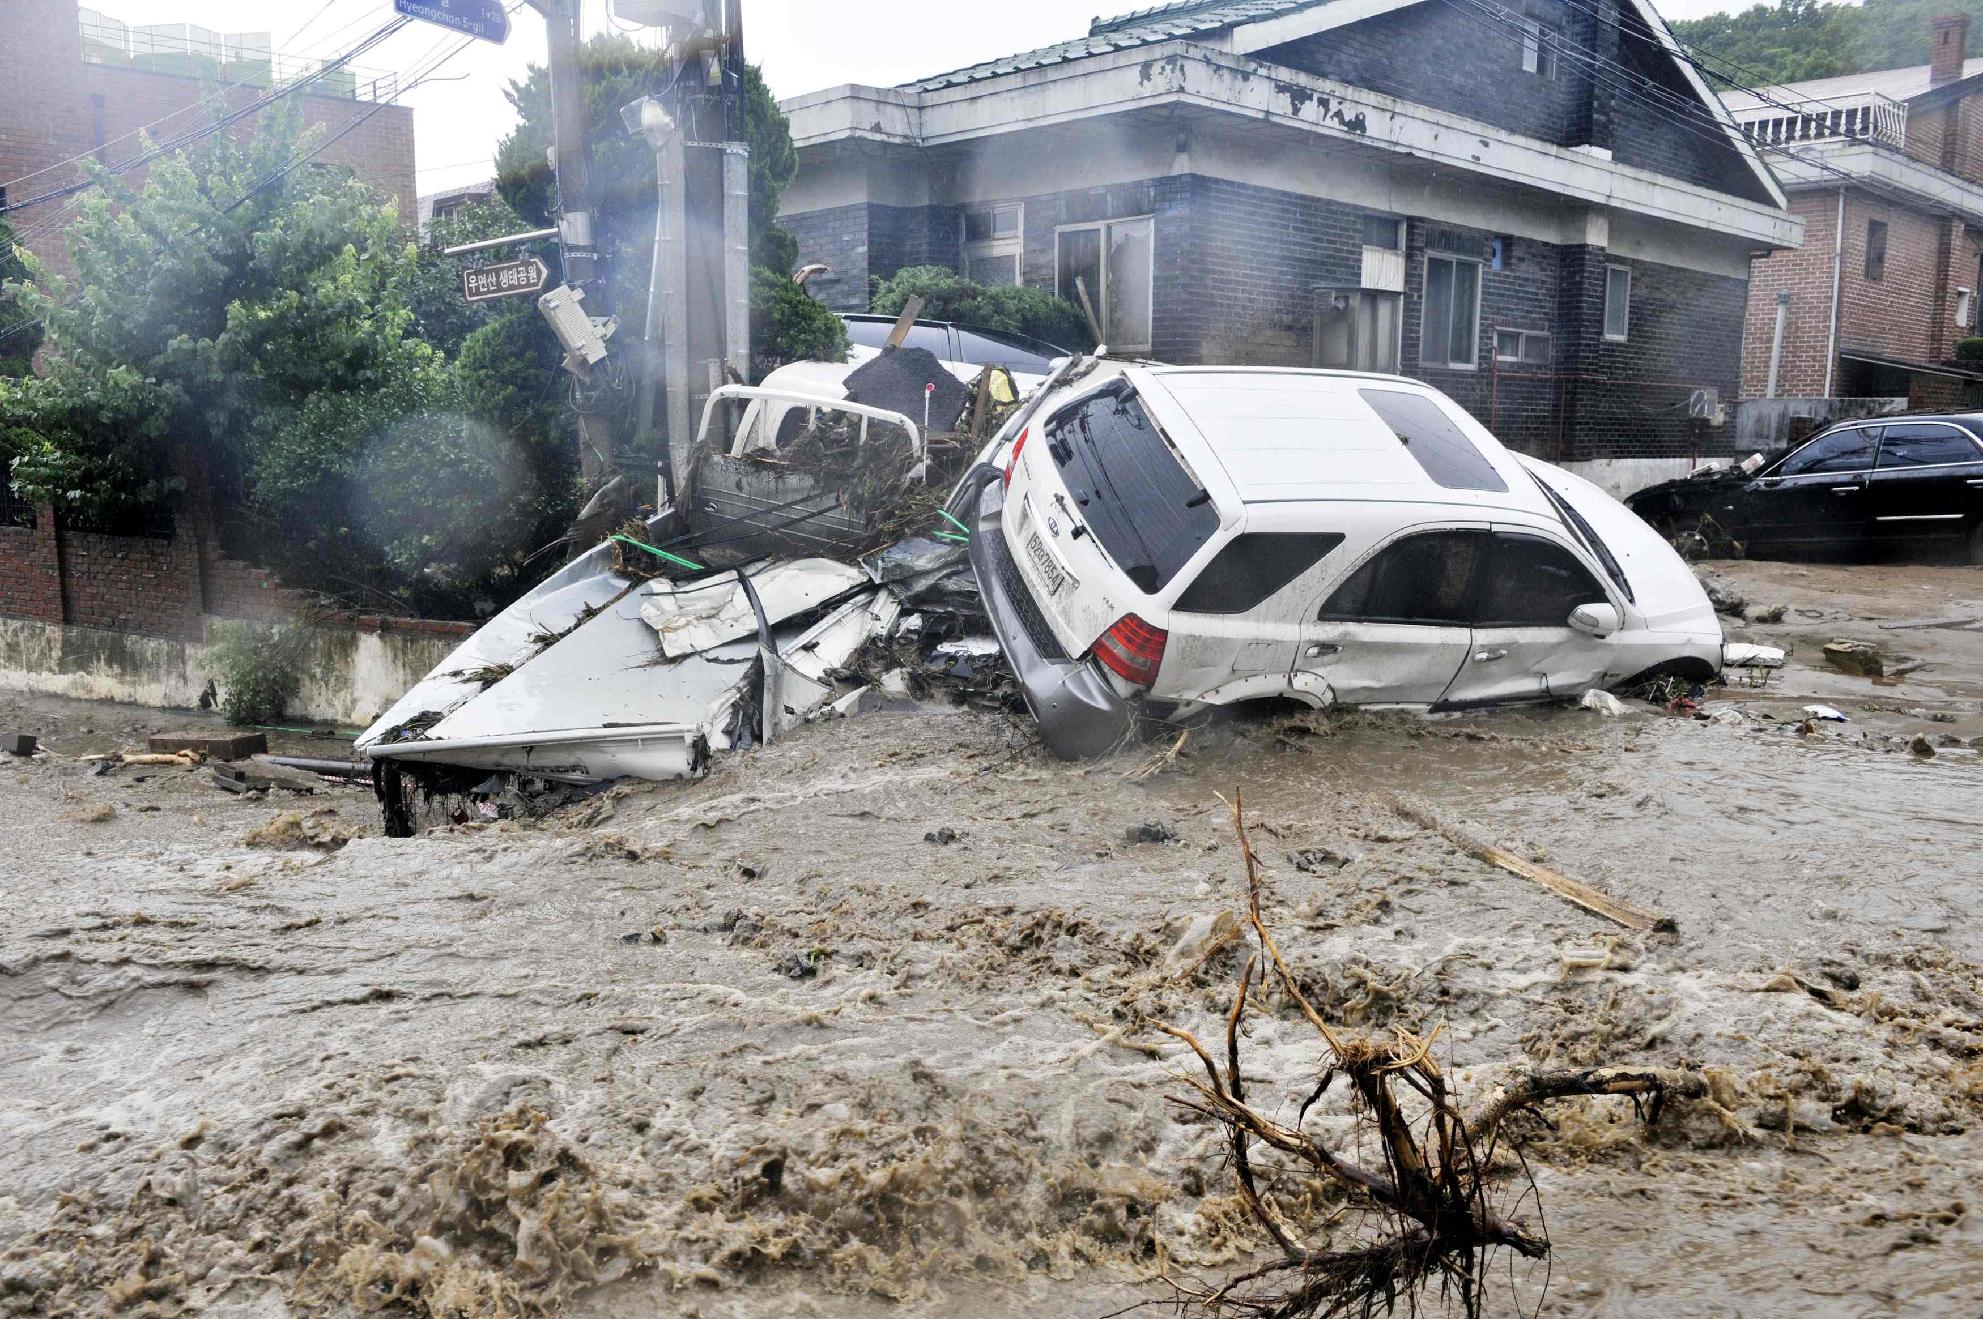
(46, 117)
(164, 587)
(31, 570)
(1806, 274)
(1909, 312)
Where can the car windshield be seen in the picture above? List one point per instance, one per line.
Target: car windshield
(1014, 352)
(1586, 533)
(1141, 501)
(872, 332)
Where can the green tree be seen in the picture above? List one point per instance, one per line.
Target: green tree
(786, 325)
(949, 296)
(261, 320)
(1794, 40)
(441, 316)
(19, 335)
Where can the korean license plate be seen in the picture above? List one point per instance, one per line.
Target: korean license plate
(1052, 575)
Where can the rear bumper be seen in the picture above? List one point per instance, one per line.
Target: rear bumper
(1078, 712)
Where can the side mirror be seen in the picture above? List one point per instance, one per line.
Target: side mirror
(1596, 620)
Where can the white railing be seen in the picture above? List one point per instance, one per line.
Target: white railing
(243, 59)
(1869, 117)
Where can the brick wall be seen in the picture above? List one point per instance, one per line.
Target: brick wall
(161, 586)
(1806, 275)
(863, 243)
(47, 115)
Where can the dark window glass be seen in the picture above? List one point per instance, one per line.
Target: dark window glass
(874, 333)
(1426, 578)
(1840, 451)
(1253, 567)
(1381, 231)
(1925, 446)
(1876, 248)
(1432, 438)
(865, 333)
(1534, 583)
(985, 350)
(1143, 506)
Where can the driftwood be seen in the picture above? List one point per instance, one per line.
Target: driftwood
(1430, 1197)
(1583, 895)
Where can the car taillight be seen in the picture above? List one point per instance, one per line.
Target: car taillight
(1013, 460)
(1133, 649)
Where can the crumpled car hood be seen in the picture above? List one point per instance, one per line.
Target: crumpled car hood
(1665, 591)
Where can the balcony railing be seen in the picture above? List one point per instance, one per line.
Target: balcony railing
(1870, 118)
(246, 60)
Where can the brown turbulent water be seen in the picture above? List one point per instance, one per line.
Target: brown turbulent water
(768, 1044)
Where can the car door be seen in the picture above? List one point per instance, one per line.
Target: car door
(1816, 499)
(1396, 630)
(1524, 649)
(1928, 481)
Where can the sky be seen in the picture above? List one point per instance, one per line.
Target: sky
(802, 45)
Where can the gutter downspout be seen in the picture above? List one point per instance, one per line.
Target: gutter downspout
(1776, 342)
(1838, 268)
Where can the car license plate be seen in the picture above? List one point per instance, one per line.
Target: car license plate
(1052, 575)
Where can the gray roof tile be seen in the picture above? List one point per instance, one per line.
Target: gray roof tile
(1142, 27)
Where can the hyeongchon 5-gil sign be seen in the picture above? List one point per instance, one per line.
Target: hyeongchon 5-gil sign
(486, 19)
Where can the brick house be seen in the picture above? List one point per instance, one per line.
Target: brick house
(76, 83)
(1886, 170)
(1521, 221)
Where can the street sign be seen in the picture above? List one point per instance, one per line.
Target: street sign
(509, 280)
(486, 19)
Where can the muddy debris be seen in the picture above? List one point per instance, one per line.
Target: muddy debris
(292, 831)
(1153, 831)
(1862, 659)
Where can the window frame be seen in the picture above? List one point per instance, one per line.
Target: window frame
(1481, 532)
(1498, 539)
(998, 245)
(1879, 434)
(1440, 363)
(1522, 338)
(1100, 295)
(1538, 50)
(1880, 451)
(1604, 326)
(1876, 270)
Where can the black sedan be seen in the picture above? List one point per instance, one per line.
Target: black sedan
(1852, 489)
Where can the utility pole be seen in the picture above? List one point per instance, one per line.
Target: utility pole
(572, 163)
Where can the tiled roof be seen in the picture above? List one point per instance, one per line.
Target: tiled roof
(1142, 27)
(1900, 84)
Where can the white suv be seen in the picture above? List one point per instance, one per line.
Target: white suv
(1185, 537)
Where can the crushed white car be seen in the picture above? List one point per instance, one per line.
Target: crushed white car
(1165, 539)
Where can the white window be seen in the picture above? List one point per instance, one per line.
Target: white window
(1114, 261)
(1538, 48)
(1522, 347)
(1965, 307)
(1617, 303)
(993, 239)
(1450, 336)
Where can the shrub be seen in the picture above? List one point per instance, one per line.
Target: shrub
(948, 296)
(1969, 350)
(258, 668)
(788, 326)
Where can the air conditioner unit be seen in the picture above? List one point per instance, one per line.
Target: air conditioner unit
(1704, 404)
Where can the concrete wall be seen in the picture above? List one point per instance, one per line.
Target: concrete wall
(352, 675)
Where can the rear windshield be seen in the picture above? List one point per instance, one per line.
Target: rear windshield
(1144, 507)
(1253, 567)
(1434, 441)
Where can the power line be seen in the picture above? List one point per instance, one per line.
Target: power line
(224, 121)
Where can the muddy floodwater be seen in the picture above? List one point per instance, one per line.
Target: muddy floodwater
(863, 1022)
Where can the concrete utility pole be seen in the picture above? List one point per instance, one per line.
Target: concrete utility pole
(571, 160)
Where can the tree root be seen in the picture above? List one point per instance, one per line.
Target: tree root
(1429, 1201)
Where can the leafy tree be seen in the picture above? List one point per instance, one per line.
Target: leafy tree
(265, 322)
(786, 325)
(949, 296)
(1794, 40)
(19, 336)
(441, 316)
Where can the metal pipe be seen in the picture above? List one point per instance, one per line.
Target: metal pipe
(534, 236)
(1838, 270)
(1776, 340)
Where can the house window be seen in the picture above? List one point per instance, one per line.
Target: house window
(993, 237)
(1113, 261)
(1357, 330)
(1538, 48)
(1617, 303)
(1876, 248)
(1385, 231)
(1965, 308)
(1522, 347)
(1450, 336)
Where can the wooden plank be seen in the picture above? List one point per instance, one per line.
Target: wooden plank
(1570, 890)
(904, 323)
